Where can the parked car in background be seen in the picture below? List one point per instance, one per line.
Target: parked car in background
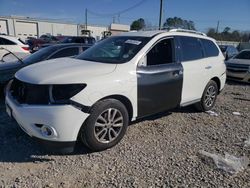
(14, 45)
(35, 43)
(238, 68)
(79, 39)
(72, 39)
(228, 51)
(94, 96)
(8, 69)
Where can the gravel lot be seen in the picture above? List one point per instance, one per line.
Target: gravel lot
(158, 152)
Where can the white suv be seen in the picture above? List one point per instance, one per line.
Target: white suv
(94, 96)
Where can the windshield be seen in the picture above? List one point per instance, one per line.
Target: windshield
(243, 55)
(40, 55)
(117, 49)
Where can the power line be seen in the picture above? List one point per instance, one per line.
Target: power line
(118, 13)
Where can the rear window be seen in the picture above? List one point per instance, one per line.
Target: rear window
(4, 41)
(191, 49)
(210, 48)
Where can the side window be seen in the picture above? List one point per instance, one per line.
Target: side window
(210, 48)
(6, 42)
(67, 52)
(161, 53)
(190, 48)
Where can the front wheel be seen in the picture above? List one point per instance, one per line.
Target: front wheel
(105, 126)
(208, 97)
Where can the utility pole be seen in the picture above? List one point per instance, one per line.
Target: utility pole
(217, 28)
(86, 19)
(160, 18)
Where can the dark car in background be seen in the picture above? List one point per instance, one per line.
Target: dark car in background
(228, 51)
(8, 69)
(35, 43)
(72, 39)
(79, 39)
(238, 67)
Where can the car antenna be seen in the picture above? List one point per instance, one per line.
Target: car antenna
(1, 48)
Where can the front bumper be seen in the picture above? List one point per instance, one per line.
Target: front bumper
(239, 76)
(238, 72)
(65, 121)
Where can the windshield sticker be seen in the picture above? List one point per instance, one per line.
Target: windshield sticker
(136, 42)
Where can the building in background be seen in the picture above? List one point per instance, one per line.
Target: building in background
(118, 28)
(95, 31)
(25, 27)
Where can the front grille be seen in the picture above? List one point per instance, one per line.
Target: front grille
(239, 68)
(26, 93)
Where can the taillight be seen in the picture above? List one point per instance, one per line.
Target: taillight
(26, 48)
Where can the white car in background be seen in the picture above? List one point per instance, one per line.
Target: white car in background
(14, 45)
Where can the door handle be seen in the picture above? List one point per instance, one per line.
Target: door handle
(208, 67)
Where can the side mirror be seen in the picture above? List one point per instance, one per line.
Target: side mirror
(143, 62)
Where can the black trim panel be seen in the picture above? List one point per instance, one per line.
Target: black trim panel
(159, 88)
(55, 146)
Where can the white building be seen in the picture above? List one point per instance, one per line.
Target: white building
(24, 27)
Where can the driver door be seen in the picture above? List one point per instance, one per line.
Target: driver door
(159, 78)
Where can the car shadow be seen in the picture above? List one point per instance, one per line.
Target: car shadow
(187, 109)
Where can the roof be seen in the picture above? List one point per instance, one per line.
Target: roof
(143, 33)
(12, 38)
(176, 32)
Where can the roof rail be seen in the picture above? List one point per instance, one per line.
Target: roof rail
(187, 31)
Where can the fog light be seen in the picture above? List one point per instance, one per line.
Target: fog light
(47, 131)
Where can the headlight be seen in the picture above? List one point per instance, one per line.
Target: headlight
(34, 94)
(62, 93)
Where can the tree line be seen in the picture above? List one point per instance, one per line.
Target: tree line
(226, 35)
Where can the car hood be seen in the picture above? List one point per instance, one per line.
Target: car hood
(9, 65)
(63, 71)
(238, 61)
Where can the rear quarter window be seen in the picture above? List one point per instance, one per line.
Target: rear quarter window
(210, 48)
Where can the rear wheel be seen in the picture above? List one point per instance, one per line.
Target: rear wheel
(208, 98)
(105, 126)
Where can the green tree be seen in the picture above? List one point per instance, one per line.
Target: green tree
(228, 35)
(138, 24)
(177, 22)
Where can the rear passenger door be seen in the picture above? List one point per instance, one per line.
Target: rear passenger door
(159, 79)
(195, 67)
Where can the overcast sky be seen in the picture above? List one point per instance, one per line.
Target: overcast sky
(205, 13)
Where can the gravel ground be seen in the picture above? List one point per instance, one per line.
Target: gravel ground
(159, 152)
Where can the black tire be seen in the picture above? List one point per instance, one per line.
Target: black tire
(89, 134)
(204, 104)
